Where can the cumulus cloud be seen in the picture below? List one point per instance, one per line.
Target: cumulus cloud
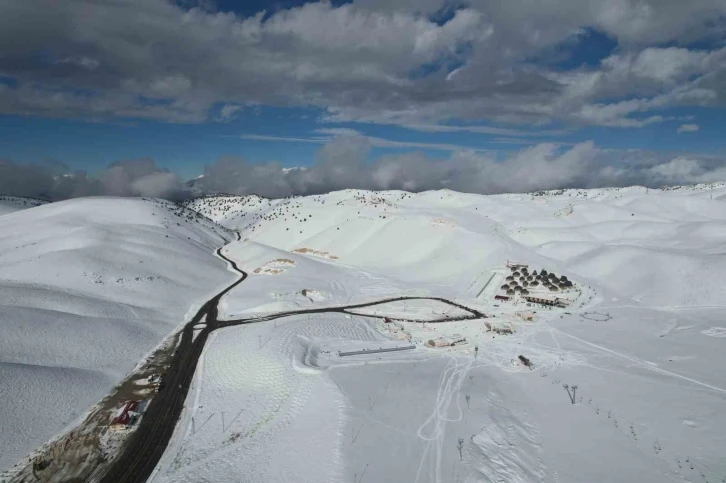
(54, 181)
(687, 128)
(344, 163)
(228, 112)
(688, 170)
(376, 61)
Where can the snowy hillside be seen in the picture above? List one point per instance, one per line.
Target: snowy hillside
(599, 359)
(87, 288)
(224, 207)
(8, 204)
(623, 239)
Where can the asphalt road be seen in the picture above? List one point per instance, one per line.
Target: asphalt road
(147, 444)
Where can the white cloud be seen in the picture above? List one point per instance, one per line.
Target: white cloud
(54, 181)
(229, 112)
(687, 128)
(678, 169)
(482, 130)
(158, 184)
(328, 134)
(338, 131)
(630, 89)
(343, 162)
(154, 59)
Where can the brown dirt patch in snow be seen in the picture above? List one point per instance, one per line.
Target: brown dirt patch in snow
(317, 253)
(274, 267)
(269, 271)
(442, 222)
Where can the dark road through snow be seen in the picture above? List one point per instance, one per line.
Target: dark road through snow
(147, 444)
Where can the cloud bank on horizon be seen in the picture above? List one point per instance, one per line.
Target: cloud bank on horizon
(342, 163)
(512, 69)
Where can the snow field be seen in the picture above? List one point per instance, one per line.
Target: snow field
(390, 240)
(267, 379)
(330, 283)
(520, 425)
(413, 310)
(88, 287)
(272, 400)
(642, 343)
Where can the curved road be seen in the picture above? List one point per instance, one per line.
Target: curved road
(147, 444)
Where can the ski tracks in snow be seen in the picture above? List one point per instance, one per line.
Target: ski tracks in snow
(432, 431)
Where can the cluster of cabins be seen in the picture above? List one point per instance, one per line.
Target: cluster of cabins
(523, 283)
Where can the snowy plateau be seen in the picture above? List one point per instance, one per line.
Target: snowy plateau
(558, 336)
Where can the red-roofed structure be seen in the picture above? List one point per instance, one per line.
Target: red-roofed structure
(125, 416)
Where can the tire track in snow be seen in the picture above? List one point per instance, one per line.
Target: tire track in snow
(450, 383)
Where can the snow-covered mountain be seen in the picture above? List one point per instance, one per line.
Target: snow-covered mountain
(87, 288)
(621, 381)
(642, 342)
(620, 237)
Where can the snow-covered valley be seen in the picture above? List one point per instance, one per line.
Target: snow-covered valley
(599, 358)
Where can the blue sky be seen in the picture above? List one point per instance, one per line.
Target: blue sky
(186, 83)
(186, 148)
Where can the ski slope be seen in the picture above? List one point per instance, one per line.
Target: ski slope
(643, 343)
(88, 287)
